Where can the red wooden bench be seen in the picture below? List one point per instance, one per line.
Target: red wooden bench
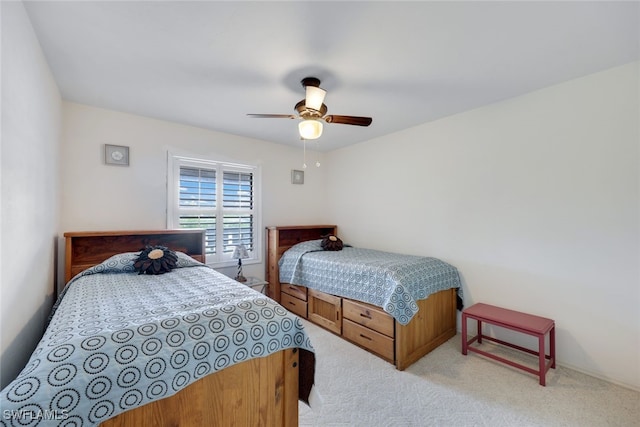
(516, 321)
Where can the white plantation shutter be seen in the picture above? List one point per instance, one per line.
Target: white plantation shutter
(220, 198)
(237, 201)
(197, 202)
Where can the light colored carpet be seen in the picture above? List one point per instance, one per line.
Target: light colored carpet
(445, 388)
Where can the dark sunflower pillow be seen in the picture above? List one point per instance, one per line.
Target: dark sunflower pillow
(331, 243)
(155, 260)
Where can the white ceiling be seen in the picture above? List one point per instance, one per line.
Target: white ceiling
(208, 64)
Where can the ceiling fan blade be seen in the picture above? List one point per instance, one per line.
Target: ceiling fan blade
(274, 116)
(348, 120)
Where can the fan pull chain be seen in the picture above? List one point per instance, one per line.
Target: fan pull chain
(304, 153)
(318, 153)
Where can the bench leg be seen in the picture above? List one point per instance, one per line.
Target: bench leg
(479, 331)
(552, 346)
(541, 360)
(464, 334)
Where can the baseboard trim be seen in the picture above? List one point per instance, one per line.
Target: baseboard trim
(587, 372)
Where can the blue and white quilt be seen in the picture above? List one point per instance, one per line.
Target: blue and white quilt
(388, 280)
(118, 340)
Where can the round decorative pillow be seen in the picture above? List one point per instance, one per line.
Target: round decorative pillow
(331, 243)
(155, 260)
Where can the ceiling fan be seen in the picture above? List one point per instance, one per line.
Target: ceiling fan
(311, 111)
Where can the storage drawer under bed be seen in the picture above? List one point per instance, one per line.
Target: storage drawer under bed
(294, 305)
(376, 342)
(369, 316)
(299, 292)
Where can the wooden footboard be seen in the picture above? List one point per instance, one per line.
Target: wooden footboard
(433, 325)
(257, 392)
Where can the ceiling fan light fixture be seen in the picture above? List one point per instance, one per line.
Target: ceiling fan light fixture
(310, 129)
(314, 97)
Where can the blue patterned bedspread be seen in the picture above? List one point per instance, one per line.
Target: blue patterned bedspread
(388, 280)
(119, 340)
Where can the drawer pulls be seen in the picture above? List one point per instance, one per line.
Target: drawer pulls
(365, 337)
(366, 315)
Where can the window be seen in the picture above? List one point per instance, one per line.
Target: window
(219, 197)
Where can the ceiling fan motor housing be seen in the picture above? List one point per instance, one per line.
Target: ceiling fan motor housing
(310, 113)
(310, 81)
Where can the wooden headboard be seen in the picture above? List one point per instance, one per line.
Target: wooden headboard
(86, 249)
(281, 238)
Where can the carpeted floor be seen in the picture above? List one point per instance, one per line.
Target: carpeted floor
(445, 388)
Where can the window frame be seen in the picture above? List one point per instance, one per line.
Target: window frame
(219, 259)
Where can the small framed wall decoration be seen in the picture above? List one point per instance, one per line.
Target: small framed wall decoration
(116, 155)
(297, 176)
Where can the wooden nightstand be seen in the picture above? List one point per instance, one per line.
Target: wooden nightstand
(255, 283)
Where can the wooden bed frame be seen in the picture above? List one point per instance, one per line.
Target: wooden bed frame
(363, 324)
(261, 391)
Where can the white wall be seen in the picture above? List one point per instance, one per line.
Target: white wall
(31, 108)
(535, 200)
(96, 196)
